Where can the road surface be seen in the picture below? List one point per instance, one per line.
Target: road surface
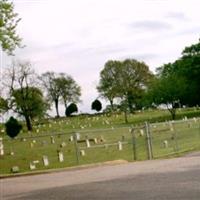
(170, 179)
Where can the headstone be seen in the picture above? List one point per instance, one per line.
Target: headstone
(120, 146)
(45, 160)
(60, 156)
(82, 152)
(95, 140)
(87, 143)
(78, 136)
(32, 166)
(12, 153)
(165, 143)
(37, 131)
(1, 147)
(71, 138)
(52, 140)
(141, 132)
(34, 141)
(15, 169)
(63, 144)
(32, 145)
(36, 161)
(195, 119)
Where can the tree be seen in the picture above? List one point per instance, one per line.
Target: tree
(107, 85)
(70, 91)
(126, 80)
(3, 105)
(13, 127)
(51, 82)
(96, 105)
(9, 20)
(24, 97)
(29, 102)
(168, 90)
(71, 109)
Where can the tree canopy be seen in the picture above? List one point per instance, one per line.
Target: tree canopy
(9, 39)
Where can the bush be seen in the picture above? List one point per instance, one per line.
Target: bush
(96, 105)
(71, 109)
(13, 127)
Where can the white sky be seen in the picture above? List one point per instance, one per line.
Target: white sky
(78, 36)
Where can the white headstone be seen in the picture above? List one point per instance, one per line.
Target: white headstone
(32, 166)
(120, 146)
(95, 140)
(78, 136)
(82, 152)
(71, 138)
(45, 160)
(63, 144)
(141, 132)
(60, 156)
(165, 143)
(15, 169)
(1, 147)
(87, 143)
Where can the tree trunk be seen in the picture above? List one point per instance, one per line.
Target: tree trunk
(28, 123)
(56, 106)
(111, 104)
(173, 113)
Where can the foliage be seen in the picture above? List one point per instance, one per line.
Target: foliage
(60, 87)
(24, 98)
(3, 105)
(69, 89)
(96, 105)
(126, 80)
(9, 20)
(13, 127)
(71, 109)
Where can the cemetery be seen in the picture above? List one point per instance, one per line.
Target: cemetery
(65, 142)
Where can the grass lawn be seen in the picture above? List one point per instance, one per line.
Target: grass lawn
(108, 130)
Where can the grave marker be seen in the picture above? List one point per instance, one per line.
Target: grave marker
(15, 169)
(165, 143)
(1, 147)
(45, 160)
(120, 146)
(87, 143)
(60, 156)
(82, 152)
(32, 166)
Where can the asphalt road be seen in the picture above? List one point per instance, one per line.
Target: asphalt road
(170, 179)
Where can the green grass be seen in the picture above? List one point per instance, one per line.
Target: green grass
(186, 136)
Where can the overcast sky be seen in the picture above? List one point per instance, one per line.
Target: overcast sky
(78, 36)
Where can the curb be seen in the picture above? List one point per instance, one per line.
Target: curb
(74, 168)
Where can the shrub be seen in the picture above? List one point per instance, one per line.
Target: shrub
(96, 105)
(71, 109)
(13, 127)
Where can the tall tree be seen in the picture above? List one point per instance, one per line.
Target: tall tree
(50, 82)
(168, 90)
(107, 85)
(125, 80)
(9, 39)
(24, 96)
(70, 91)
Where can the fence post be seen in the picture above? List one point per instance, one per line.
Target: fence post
(76, 148)
(148, 141)
(134, 144)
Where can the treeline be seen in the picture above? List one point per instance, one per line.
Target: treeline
(132, 86)
(31, 95)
